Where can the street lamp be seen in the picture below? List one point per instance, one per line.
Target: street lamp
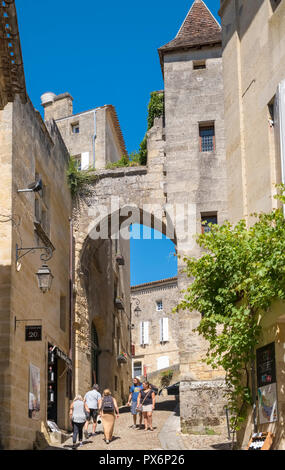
(44, 274)
(137, 310)
(45, 278)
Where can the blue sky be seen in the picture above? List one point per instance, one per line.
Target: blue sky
(105, 53)
(151, 259)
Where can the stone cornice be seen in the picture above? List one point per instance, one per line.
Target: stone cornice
(12, 77)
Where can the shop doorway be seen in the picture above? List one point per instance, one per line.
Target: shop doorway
(52, 384)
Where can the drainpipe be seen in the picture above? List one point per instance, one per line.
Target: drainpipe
(94, 138)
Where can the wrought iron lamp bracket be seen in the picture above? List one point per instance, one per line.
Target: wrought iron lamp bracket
(44, 256)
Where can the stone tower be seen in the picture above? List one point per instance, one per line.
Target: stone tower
(196, 175)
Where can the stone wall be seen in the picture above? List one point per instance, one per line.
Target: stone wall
(35, 149)
(253, 66)
(148, 294)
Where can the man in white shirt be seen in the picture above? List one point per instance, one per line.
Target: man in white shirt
(91, 399)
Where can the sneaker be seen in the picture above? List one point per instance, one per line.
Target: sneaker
(80, 444)
(107, 441)
(86, 434)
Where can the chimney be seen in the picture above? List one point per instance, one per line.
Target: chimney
(57, 107)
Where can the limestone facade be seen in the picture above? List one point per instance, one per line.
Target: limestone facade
(101, 327)
(94, 137)
(30, 150)
(155, 327)
(254, 74)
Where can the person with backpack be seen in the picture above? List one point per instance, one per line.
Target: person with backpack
(91, 399)
(108, 411)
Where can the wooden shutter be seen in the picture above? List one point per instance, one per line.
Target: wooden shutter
(141, 332)
(84, 160)
(146, 332)
(165, 329)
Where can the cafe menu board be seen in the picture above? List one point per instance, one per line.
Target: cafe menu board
(265, 365)
(266, 382)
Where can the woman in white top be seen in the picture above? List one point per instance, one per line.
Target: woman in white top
(77, 415)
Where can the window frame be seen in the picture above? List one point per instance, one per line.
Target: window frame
(205, 216)
(207, 126)
(159, 302)
(74, 126)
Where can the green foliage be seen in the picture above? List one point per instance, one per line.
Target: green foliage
(143, 151)
(166, 378)
(124, 161)
(155, 107)
(235, 282)
(133, 160)
(77, 179)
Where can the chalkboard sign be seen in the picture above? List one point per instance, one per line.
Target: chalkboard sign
(265, 365)
(33, 333)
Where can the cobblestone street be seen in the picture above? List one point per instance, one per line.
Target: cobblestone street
(166, 435)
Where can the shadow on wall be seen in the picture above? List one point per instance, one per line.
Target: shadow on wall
(240, 9)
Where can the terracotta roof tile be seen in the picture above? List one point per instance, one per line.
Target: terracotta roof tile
(199, 28)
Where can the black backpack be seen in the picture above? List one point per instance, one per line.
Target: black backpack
(108, 403)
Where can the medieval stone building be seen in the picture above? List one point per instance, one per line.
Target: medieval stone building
(196, 174)
(154, 326)
(34, 202)
(254, 81)
(93, 137)
(101, 326)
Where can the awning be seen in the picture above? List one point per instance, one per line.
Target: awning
(61, 355)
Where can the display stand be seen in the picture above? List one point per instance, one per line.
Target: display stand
(261, 441)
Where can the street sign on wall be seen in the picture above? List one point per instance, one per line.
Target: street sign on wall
(33, 333)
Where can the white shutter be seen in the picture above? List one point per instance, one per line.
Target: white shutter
(84, 160)
(165, 329)
(162, 362)
(161, 329)
(146, 332)
(141, 333)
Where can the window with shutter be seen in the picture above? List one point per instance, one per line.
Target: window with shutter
(164, 330)
(146, 332)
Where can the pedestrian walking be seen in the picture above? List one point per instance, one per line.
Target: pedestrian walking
(132, 401)
(91, 399)
(77, 415)
(109, 411)
(146, 401)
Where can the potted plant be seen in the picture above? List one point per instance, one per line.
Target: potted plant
(122, 358)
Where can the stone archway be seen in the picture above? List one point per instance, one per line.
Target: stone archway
(143, 191)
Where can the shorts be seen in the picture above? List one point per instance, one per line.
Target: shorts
(147, 408)
(134, 408)
(93, 413)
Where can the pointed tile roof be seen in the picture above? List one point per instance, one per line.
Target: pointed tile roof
(199, 28)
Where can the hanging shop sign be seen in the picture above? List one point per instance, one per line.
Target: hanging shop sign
(266, 383)
(33, 333)
(61, 355)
